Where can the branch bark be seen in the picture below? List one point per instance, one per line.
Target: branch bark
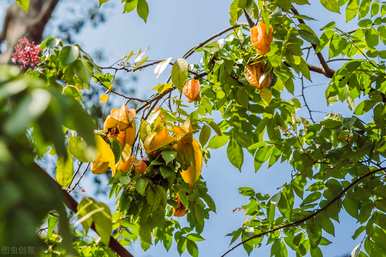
(312, 215)
(72, 204)
(18, 24)
(326, 69)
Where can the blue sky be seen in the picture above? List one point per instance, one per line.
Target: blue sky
(173, 27)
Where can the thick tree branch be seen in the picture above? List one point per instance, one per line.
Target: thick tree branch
(312, 215)
(322, 71)
(72, 204)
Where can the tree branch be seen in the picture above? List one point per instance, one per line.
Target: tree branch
(72, 204)
(193, 49)
(18, 24)
(327, 71)
(249, 19)
(312, 215)
(305, 101)
(321, 71)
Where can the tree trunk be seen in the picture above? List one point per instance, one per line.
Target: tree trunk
(19, 24)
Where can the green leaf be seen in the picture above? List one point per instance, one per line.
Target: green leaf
(358, 231)
(266, 95)
(204, 134)
(192, 248)
(351, 206)
(284, 4)
(195, 237)
(166, 172)
(52, 221)
(79, 120)
(218, 141)
(53, 133)
(243, 4)
(79, 149)
(278, 249)
(352, 10)
(180, 73)
(314, 232)
(101, 2)
(235, 154)
(12, 88)
(332, 5)
(167, 241)
(372, 37)
(210, 202)
(69, 54)
(375, 8)
(181, 245)
(81, 69)
(308, 34)
(168, 156)
(263, 153)
(316, 252)
(103, 222)
(141, 185)
(364, 8)
(72, 91)
(143, 9)
(129, 5)
(242, 97)
(29, 108)
(234, 12)
(327, 224)
(311, 198)
(85, 207)
(116, 148)
(64, 170)
(23, 4)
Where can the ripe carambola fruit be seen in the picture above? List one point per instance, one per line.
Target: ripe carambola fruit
(193, 172)
(261, 38)
(257, 75)
(192, 90)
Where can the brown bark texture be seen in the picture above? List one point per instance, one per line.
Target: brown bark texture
(18, 24)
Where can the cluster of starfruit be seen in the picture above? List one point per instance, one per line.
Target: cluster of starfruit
(165, 180)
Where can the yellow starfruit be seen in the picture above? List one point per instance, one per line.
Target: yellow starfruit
(105, 157)
(157, 140)
(193, 172)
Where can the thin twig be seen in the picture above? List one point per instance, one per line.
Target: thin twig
(80, 178)
(72, 204)
(193, 49)
(305, 100)
(312, 215)
(303, 94)
(75, 174)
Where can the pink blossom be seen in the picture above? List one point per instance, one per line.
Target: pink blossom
(26, 53)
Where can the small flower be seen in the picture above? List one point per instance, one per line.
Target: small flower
(26, 53)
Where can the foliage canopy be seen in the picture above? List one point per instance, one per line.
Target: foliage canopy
(153, 150)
